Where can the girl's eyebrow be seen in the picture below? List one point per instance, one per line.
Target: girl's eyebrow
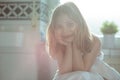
(71, 21)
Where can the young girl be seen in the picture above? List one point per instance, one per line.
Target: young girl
(76, 49)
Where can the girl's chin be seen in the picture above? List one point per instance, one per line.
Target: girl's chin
(65, 42)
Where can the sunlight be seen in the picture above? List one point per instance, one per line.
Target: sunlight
(108, 8)
(97, 11)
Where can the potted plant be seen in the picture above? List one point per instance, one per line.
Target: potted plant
(109, 29)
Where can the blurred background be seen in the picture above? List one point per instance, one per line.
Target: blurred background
(23, 25)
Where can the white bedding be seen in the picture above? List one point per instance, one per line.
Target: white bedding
(99, 71)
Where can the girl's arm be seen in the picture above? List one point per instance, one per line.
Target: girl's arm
(89, 59)
(65, 65)
(77, 60)
(84, 62)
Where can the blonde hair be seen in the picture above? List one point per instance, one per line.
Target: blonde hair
(83, 37)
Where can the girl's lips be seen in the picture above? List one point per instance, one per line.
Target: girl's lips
(67, 36)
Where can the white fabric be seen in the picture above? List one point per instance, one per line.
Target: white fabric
(99, 70)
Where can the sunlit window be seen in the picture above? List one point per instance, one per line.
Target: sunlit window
(96, 12)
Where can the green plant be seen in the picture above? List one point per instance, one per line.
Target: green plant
(109, 28)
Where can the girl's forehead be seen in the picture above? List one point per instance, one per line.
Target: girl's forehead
(63, 18)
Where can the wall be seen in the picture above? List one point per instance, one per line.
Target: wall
(17, 41)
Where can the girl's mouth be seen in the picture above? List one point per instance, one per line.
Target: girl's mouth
(67, 36)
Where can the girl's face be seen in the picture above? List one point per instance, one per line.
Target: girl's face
(64, 29)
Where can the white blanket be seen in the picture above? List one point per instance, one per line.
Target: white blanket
(99, 71)
(79, 75)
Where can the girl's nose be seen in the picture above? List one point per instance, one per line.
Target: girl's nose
(65, 30)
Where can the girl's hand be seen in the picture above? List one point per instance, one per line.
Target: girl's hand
(76, 49)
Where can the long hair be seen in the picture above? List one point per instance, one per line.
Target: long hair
(83, 37)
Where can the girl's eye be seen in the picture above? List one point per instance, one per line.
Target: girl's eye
(70, 24)
(58, 27)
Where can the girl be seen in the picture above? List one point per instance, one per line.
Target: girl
(76, 49)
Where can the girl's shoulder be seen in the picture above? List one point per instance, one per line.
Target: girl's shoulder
(96, 39)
